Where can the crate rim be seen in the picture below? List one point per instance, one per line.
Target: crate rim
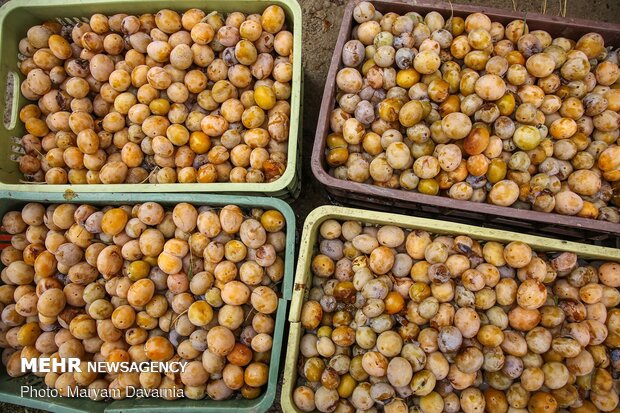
(317, 161)
(286, 182)
(446, 7)
(216, 200)
(323, 213)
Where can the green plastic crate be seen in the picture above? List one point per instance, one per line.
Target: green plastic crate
(16, 16)
(10, 387)
(309, 243)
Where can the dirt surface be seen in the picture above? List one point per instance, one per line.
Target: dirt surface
(321, 23)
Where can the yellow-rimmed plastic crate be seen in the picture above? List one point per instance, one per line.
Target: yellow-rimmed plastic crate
(10, 388)
(309, 245)
(16, 16)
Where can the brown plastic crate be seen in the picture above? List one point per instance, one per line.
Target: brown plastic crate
(374, 197)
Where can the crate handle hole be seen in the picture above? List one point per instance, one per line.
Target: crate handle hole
(10, 100)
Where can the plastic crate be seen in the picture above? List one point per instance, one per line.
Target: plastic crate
(10, 387)
(16, 16)
(375, 197)
(309, 245)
